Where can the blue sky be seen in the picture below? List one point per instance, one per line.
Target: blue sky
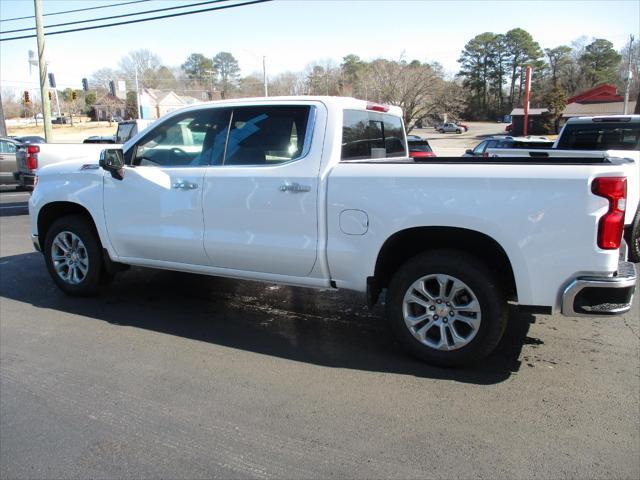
(292, 33)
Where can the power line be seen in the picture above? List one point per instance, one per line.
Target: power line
(116, 16)
(223, 7)
(73, 11)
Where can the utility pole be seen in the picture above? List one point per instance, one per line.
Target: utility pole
(264, 75)
(44, 88)
(628, 79)
(3, 125)
(138, 96)
(527, 93)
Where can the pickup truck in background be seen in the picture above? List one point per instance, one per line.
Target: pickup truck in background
(319, 192)
(31, 157)
(599, 137)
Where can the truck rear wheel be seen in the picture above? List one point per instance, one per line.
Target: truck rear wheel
(73, 255)
(446, 308)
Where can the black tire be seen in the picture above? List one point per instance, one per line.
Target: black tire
(633, 240)
(441, 131)
(458, 131)
(466, 268)
(82, 227)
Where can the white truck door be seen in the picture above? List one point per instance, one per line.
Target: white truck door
(155, 212)
(260, 204)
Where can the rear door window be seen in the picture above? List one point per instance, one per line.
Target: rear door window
(368, 134)
(267, 135)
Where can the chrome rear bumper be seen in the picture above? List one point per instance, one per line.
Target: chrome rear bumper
(36, 242)
(595, 296)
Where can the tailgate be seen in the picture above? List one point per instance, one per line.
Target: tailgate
(21, 159)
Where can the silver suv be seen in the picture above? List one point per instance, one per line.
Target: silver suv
(451, 127)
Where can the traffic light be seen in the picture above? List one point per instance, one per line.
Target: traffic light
(74, 95)
(25, 97)
(85, 85)
(52, 81)
(112, 88)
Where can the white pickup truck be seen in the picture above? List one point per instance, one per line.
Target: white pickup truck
(603, 137)
(319, 192)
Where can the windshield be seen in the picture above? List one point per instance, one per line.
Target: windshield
(601, 136)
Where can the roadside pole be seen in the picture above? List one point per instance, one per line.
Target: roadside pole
(264, 75)
(527, 92)
(3, 125)
(627, 80)
(55, 92)
(42, 64)
(139, 109)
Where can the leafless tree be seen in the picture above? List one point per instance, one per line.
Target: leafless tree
(413, 86)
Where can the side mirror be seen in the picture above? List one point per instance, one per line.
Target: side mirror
(112, 160)
(469, 151)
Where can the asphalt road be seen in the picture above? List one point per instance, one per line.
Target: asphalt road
(181, 376)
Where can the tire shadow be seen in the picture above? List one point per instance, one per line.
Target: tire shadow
(327, 328)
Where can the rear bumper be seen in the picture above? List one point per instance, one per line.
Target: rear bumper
(601, 296)
(24, 179)
(36, 242)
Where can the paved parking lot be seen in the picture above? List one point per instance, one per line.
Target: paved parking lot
(181, 376)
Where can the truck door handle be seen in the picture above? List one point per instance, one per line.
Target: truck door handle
(182, 185)
(294, 188)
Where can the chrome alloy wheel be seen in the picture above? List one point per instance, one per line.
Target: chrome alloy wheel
(441, 312)
(70, 257)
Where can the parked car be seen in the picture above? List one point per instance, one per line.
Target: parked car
(505, 141)
(30, 139)
(295, 191)
(600, 137)
(419, 147)
(60, 120)
(463, 125)
(8, 166)
(451, 127)
(508, 128)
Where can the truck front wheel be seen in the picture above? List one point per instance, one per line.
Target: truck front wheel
(446, 308)
(73, 255)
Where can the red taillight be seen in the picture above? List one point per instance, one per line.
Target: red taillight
(611, 224)
(32, 157)
(420, 154)
(376, 107)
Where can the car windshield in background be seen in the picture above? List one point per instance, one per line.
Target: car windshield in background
(531, 145)
(371, 135)
(419, 146)
(585, 136)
